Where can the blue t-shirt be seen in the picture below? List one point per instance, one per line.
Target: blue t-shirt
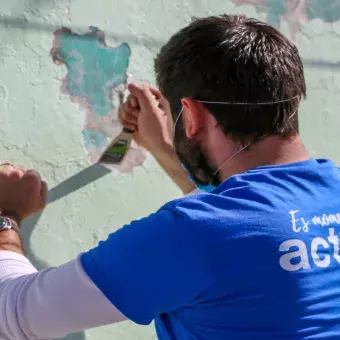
(258, 258)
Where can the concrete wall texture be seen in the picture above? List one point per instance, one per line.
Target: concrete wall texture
(58, 107)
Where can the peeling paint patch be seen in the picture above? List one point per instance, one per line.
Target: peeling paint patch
(94, 74)
(94, 69)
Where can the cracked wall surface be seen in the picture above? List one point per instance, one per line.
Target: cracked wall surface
(42, 127)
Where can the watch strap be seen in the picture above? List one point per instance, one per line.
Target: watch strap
(8, 223)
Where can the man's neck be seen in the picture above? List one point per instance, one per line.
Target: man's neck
(274, 150)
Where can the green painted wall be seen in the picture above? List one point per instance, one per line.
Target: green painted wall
(42, 128)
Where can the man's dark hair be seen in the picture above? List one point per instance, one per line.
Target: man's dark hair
(231, 58)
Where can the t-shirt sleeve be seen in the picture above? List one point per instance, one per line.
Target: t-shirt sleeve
(150, 267)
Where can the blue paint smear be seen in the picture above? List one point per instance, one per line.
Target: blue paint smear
(93, 68)
(277, 9)
(274, 9)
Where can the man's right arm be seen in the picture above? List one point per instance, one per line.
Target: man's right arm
(139, 272)
(51, 303)
(170, 163)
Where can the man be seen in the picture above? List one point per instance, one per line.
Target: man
(254, 256)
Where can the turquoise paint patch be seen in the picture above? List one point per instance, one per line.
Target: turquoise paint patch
(275, 10)
(94, 69)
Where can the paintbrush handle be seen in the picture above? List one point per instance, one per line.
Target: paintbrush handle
(128, 130)
(121, 101)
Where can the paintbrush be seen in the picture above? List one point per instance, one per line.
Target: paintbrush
(117, 150)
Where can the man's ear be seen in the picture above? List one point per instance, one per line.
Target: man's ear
(194, 116)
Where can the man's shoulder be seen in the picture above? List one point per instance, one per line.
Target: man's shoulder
(243, 198)
(203, 207)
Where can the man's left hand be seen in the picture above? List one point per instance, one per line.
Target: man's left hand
(22, 193)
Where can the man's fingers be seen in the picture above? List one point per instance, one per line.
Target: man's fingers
(23, 193)
(32, 175)
(129, 117)
(32, 180)
(17, 173)
(133, 102)
(129, 109)
(6, 168)
(131, 126)
(14, 173)
(146, 99)
(155, 92)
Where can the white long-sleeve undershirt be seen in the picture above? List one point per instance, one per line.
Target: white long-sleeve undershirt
(51, 303)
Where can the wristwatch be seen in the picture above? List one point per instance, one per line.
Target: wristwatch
(7, 223)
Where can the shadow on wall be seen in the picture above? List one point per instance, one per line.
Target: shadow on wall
(70, 185)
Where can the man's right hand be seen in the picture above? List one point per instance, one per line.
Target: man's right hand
(22, 193)
(146, 112)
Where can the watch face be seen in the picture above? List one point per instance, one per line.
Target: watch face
(4, 224)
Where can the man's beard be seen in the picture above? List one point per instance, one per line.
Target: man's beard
(193, 158)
